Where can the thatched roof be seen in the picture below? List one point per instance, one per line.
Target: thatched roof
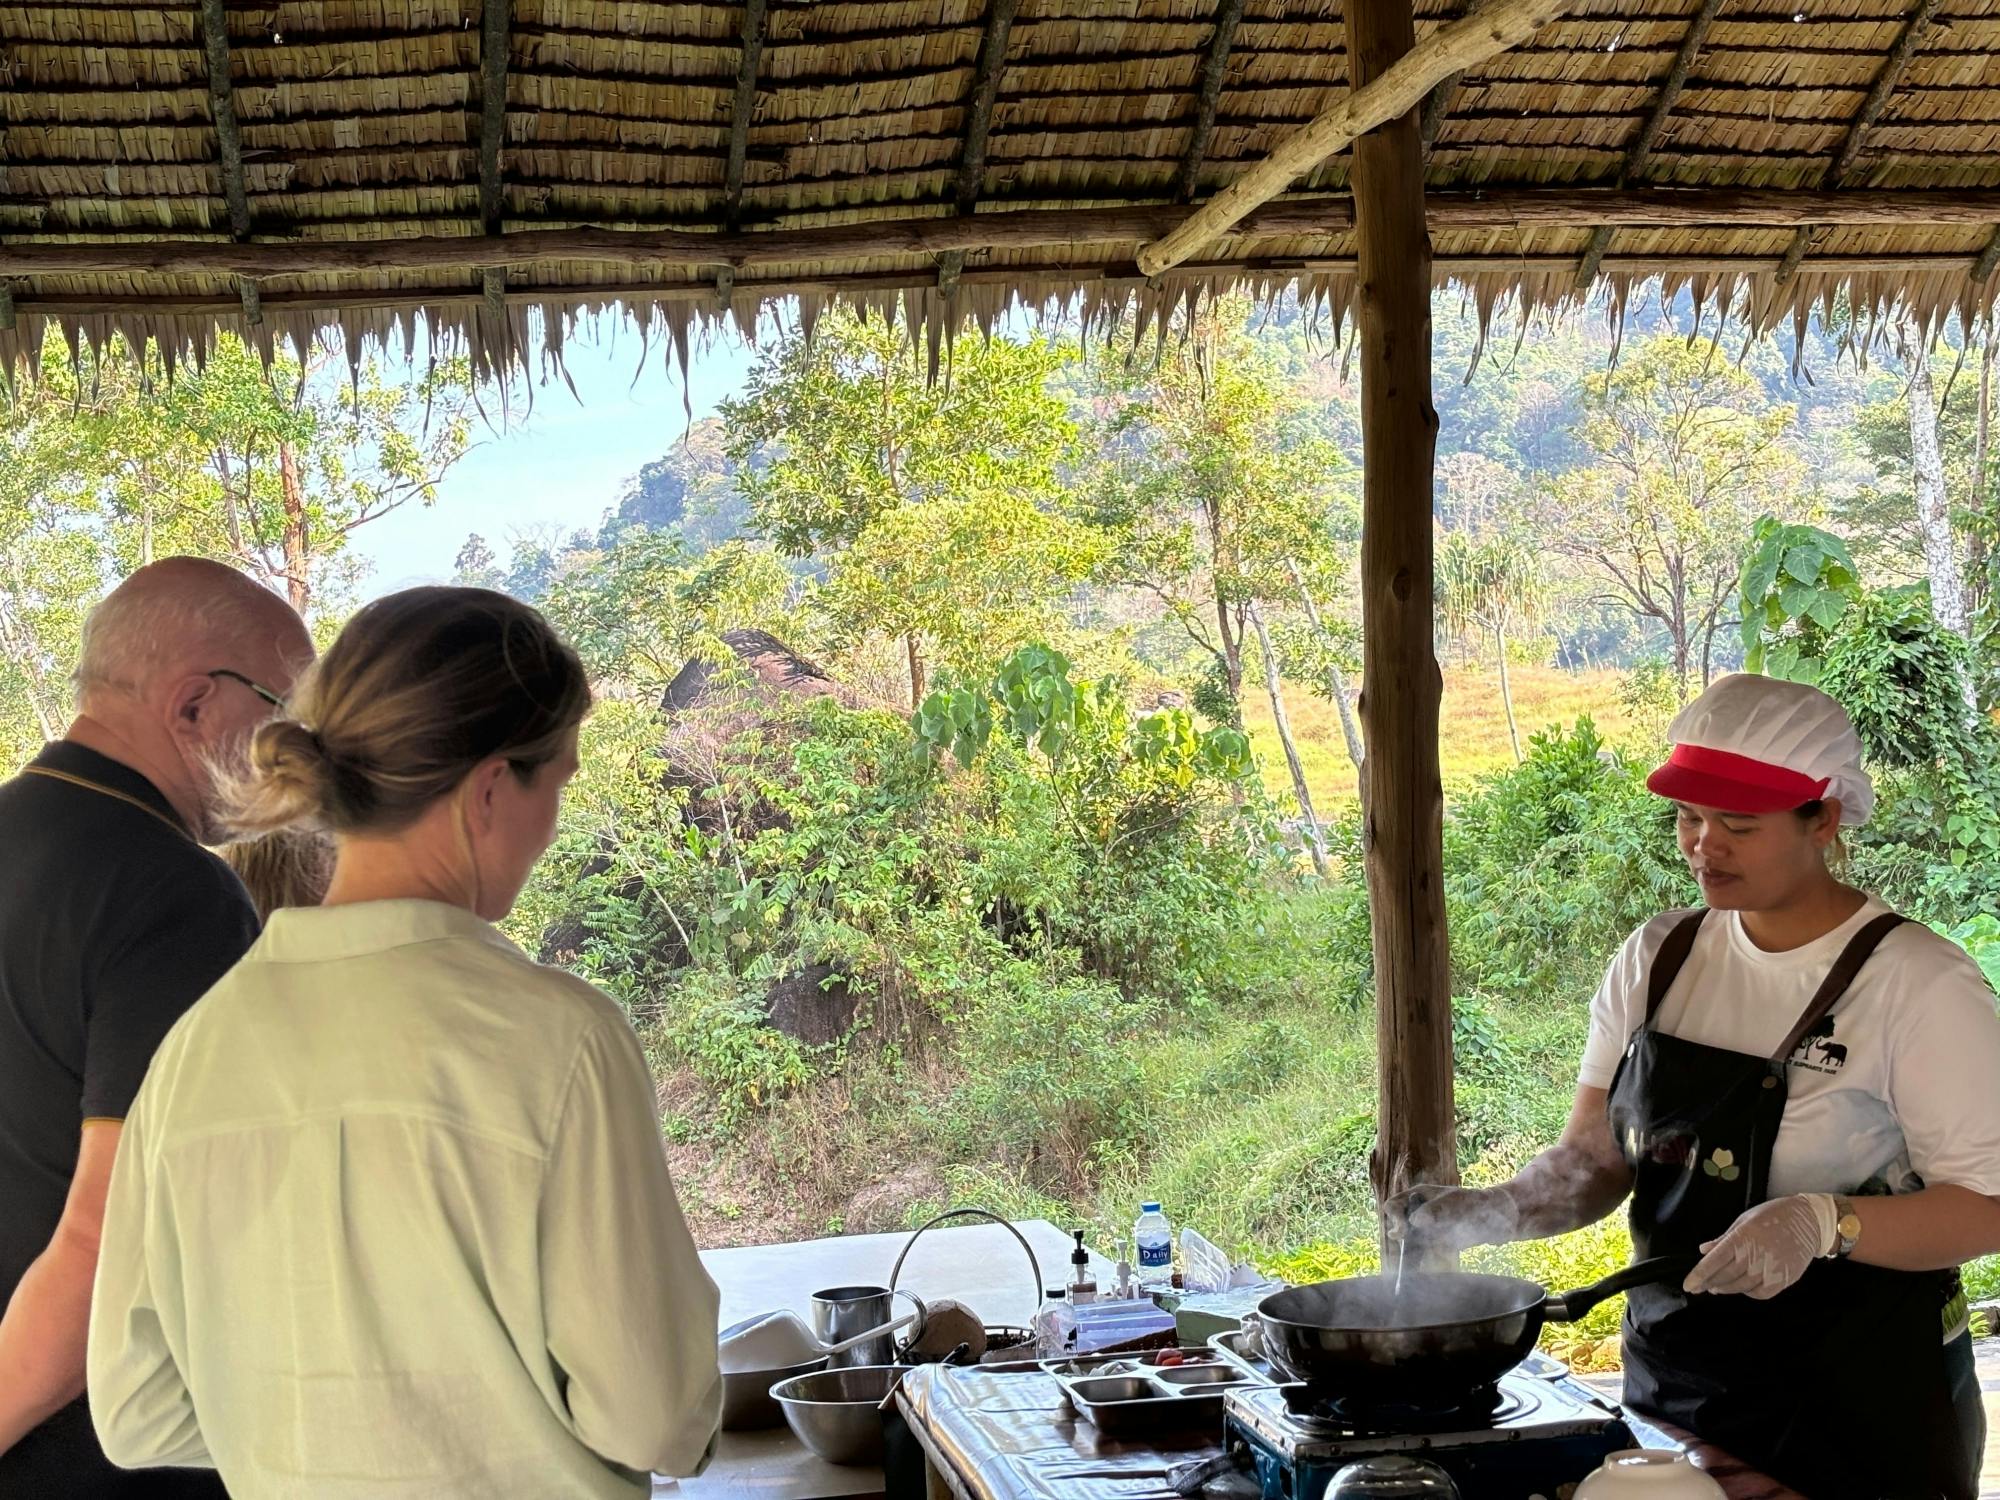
(275, 167)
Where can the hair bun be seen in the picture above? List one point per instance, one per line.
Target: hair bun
(289, 782)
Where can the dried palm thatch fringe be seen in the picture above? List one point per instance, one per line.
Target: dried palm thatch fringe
(364, 121)
(514, 332)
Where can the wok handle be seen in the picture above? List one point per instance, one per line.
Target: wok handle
(1567, 1307)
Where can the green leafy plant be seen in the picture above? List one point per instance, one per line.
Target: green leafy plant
(1798, 583)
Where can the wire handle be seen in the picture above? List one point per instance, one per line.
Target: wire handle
(972, 1213)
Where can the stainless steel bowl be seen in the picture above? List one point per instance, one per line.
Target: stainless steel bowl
(746, 1396)
(836, 1413)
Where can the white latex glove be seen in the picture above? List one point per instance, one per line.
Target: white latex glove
(1768, 1248)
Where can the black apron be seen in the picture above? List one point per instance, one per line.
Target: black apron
(1840, 1385)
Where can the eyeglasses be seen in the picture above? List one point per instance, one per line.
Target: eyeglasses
(256, 687)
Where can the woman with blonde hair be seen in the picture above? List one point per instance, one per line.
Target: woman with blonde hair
(391, 1216)
(289, 868)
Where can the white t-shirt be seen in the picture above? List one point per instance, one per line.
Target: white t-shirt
(1901, 1092)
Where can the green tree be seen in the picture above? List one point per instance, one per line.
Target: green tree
(936, 506)
(104, 465)
(1688, 450)
(638, 611)
(1222, 487)
(1495, 586)
(291, 462)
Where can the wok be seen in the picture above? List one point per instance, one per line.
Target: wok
(1446, 1334)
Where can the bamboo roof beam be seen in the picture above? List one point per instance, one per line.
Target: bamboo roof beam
(1214, 69)
(742, 108)
(1454, 48)
(1915, 26)
(1641, 149)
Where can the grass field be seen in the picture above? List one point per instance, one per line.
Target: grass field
(1473, 735)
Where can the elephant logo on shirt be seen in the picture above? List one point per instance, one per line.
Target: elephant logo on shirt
(1818, 1050)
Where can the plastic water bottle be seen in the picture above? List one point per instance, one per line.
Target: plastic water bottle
(1154, 1237)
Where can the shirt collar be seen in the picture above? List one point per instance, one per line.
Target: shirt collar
(73, 759)
(317, 933)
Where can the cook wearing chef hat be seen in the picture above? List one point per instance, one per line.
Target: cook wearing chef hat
(1799, 1093)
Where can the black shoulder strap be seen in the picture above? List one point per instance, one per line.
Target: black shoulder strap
(1668, 961)
(1838, 978)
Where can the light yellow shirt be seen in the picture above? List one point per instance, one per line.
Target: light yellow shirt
(390, 1219)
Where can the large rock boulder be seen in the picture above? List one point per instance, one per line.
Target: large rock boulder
(816, 1006)
(767, 666)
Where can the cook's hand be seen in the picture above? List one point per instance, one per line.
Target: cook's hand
(1768, 1248)
(1451, 1218)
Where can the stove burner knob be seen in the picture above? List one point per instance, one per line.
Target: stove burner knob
(1392, 1477)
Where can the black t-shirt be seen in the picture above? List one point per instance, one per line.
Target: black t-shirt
(113, 921)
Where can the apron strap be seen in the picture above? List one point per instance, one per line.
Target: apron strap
(1838, 978)
(1667, 963)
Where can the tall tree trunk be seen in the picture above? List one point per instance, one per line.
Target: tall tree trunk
(17, 639)
(1232, 653)
(1315, 839)
(1336, 686)
(297, 538)
(1933, 503)
(1507, 692)
(1336, 680)
(1403, 809)
(915, 654)
(1976, 577)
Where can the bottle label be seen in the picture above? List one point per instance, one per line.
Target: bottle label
(1158, 1256)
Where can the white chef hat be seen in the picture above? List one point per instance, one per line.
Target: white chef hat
(1761, 745)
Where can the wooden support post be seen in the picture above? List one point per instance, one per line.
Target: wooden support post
(495, 29)
(1642, 145)
(222, 109)
(1403, 800)
(1214, 67)
(1463, 44)
(1915, 26)
(742, 110)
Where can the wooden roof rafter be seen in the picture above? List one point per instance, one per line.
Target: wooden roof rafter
(496, 43)
(969, 180)
(369, 164)
(1641, 149)
(228, 143)
(1911, 36)
(1214, 71)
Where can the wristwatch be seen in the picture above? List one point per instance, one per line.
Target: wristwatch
(1846, 1227)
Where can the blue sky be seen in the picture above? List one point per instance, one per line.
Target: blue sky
(563, 464)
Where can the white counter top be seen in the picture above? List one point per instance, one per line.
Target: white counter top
(979, 1264)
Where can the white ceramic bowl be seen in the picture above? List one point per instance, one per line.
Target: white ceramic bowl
(1648, 1474)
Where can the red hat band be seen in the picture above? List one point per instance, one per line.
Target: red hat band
(1734, 783)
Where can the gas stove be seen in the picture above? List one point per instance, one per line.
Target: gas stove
(1532, 1432)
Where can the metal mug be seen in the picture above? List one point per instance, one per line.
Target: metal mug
(840, 1312)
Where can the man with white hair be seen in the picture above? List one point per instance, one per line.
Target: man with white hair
(114, 919)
